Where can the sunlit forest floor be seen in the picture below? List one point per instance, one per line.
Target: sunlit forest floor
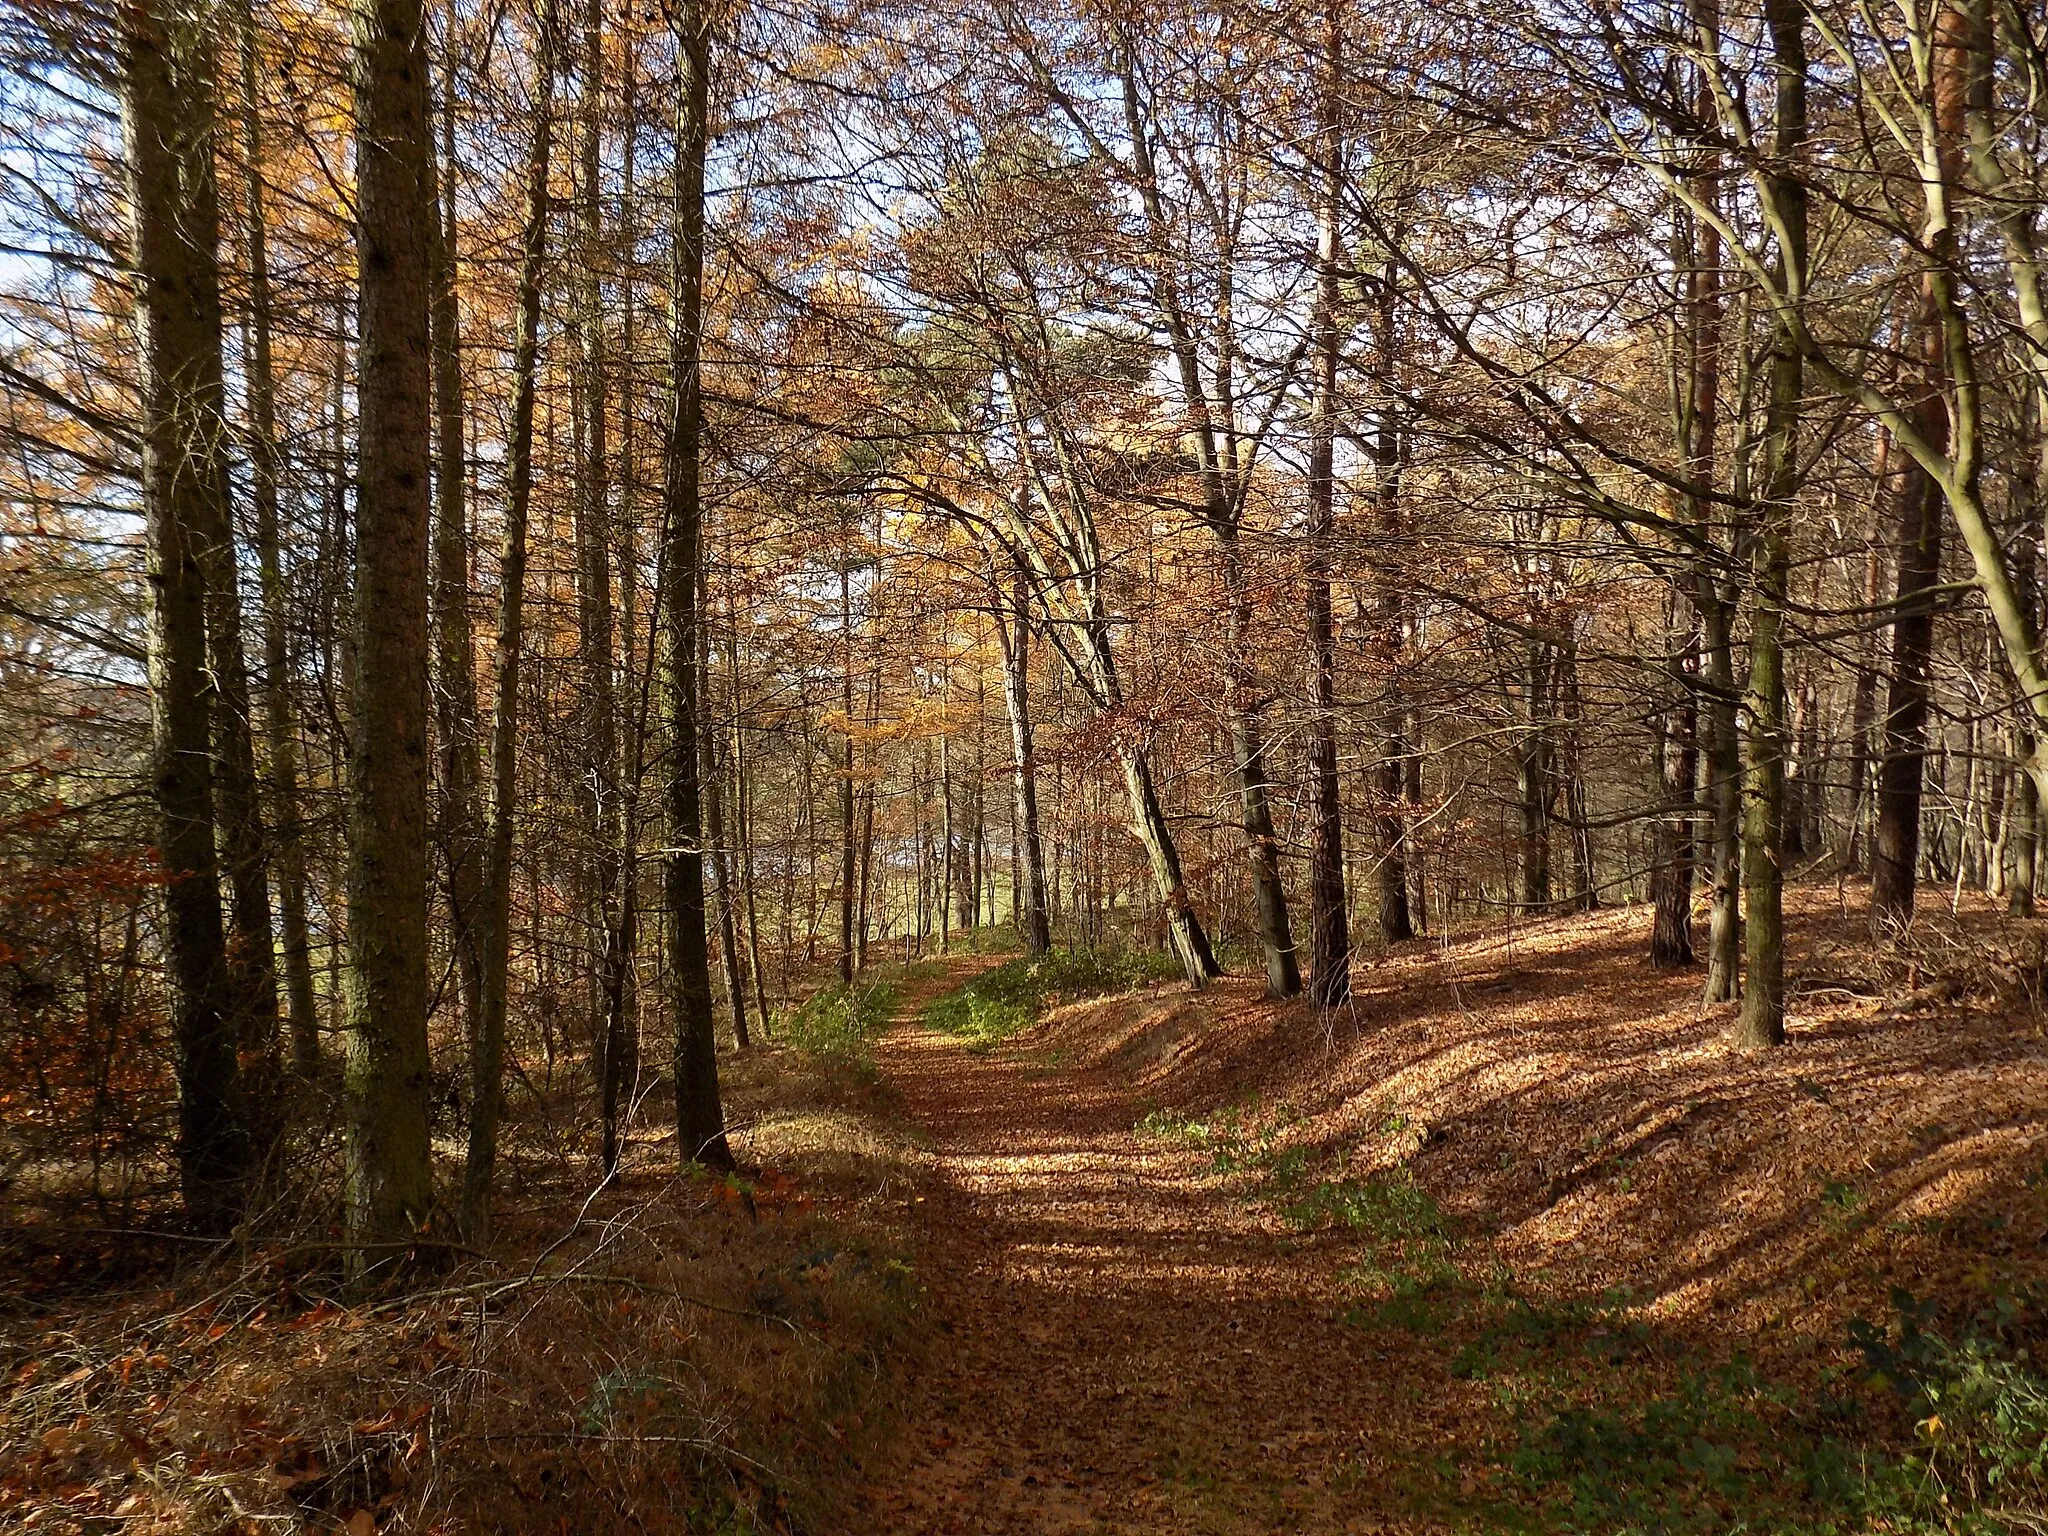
(1513, 1244)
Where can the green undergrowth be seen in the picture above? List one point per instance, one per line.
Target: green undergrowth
(1010, 997)
(839, 1023)
(1611, 1427)
(1602, 1423)
(1599, 1423)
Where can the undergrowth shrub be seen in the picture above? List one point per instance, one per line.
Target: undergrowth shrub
(1726, 1448)
(1009, 997)
(840, 1023)
(1979, 1407)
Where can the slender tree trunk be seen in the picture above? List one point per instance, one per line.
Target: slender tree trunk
(849, 873)
(164, 74)
(1761, 1021)
(1896, 844)
(251, 945)
(281, 728)
(743, 814)
(1816, 749)
(714, 827)
(1248, 748)
(1218, 467)
(863, 924)
(621, 980)
(389, 1174)
(455, 709)
(946, 845)
(1720, 757)
(1795, 773)
(1411, 788)
(1723, 764)
(1190, 943)
(1578, 821)
(494, 929)
(700, 1115)
(1897, 841)
(1677, 758)
(1385, 642)
(2024, 839)
(1029, 896)
(1863, 704)
(600, 791)
(1533, 774)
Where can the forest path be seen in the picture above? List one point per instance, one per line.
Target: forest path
(1120, 1345)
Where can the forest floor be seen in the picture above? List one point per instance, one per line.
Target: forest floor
(1514, 1243)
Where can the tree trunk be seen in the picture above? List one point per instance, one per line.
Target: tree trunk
(1533, 775)
(849, 873)
(494, 928)
(621, 1041)
(1677, 762)
(743, 815)
(1029, 896)
(280, 726)
(1863, 703)
(209, 526)
(714, 827)
(599, 787)
(700, 1116)
(1386, 640)
(1896, 843)
(1572, 778)
(1761, 1021)
(455, 710)
(1248, 749)
(1723, 765)
(163, 68)
(389, 1174)
(1815, 749)
(1184, 929)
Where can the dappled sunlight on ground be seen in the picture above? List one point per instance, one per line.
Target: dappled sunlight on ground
(1131, 1338)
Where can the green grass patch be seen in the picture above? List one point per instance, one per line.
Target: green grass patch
(1009, 997)
(839, 1024)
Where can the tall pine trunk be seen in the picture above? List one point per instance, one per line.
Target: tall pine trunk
(455, 707)
(390, 1188)
(280, 726)
(713, 769)
(494, 926)
(181, 443)
(599, 788)
(251, 944)
(700, 1116)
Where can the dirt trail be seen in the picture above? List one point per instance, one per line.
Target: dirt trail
(1120, 1345)
(1128, 1342)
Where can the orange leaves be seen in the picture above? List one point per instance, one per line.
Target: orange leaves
(318, 1317)
(393, 1420)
